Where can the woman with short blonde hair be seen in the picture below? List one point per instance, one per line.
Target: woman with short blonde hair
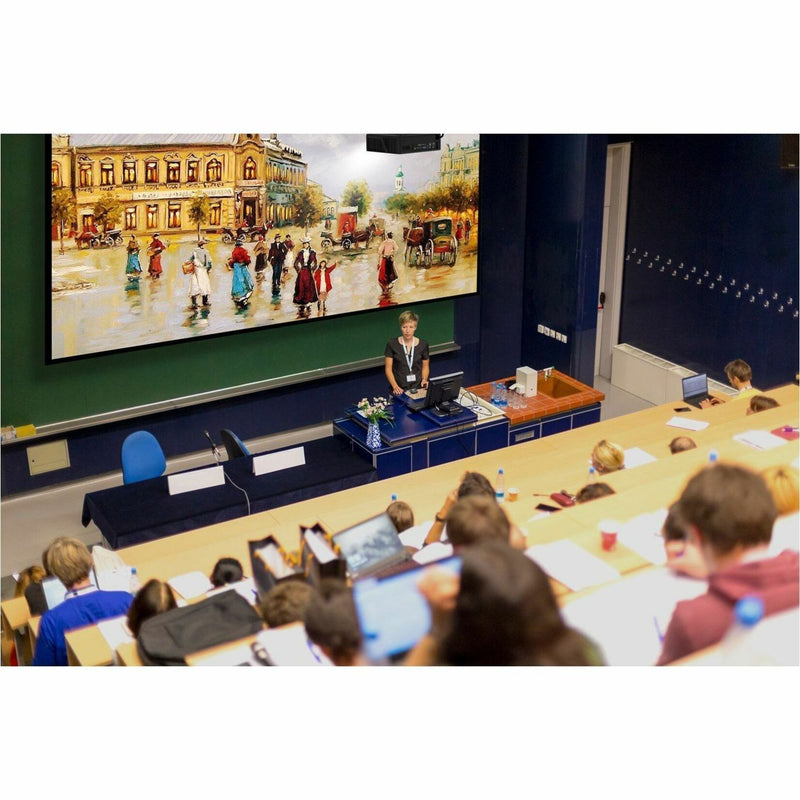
(607, 457)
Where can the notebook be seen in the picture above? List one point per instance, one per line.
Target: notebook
(695, 389)
(372, 548)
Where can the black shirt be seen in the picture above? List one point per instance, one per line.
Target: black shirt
(396, 351)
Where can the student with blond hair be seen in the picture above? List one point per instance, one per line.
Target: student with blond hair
(71, 562)
(607, 457)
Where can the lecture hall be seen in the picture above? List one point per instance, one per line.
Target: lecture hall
(610, 268)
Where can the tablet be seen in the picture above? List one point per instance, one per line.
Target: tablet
(392, 613)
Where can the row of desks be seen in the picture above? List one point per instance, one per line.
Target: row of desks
(537, 467)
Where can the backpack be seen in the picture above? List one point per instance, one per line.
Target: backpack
(167, 638)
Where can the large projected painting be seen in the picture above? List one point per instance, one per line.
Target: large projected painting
(160, 238)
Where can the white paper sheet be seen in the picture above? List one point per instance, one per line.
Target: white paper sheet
(415, 536)
(114, 580)
(643, 535)
(319, 547)
(197, 479)
(115, 631)
(571, 565)
(627, 618)
(272, 462)
(688, 424)
(635, 457)
(433, 552)
(761, 440)
(289, 646)
(191, 584)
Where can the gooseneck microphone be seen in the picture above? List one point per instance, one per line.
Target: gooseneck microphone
(214, 449)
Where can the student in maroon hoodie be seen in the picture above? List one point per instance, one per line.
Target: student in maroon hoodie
(728, 512)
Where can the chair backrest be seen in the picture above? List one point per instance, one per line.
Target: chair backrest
(142, 457)
(234, 446)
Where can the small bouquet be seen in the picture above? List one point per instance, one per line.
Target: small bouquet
(375, 410)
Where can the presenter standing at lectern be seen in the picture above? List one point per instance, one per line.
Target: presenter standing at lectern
(407, 362)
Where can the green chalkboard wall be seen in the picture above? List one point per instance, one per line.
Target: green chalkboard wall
(33, 392)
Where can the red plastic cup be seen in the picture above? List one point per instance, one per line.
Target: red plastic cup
(609, 530)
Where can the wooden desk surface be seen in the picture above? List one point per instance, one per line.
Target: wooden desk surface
(535, 467)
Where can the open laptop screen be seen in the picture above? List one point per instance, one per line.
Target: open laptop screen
(369, 543)
(694, 385)
(392, 613)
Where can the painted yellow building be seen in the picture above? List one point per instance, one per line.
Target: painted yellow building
(460, 162)
(247, 179)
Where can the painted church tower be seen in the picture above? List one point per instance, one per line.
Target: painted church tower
(398, 181)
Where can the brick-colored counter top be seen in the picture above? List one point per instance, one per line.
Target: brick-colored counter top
(542, 405)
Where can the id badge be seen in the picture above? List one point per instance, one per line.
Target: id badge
(412, 378)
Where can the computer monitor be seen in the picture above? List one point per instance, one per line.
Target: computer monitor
(442, 393)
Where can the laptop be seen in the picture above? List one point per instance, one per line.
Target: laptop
(392, 613)
(372, 548)
(695, 389)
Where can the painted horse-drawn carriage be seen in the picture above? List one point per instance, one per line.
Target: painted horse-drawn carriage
(434, 237)
(347, 230)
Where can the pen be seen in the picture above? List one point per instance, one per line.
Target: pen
(658, 630)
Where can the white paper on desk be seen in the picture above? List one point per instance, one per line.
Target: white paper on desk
(643, 535)
(415, 536)
(246, 588)
(571, 565)
(635, 457)
(272, 462)
(319, 546)
(191, 584)
(627, 618)
(761, 440)
(106, 560)
(688, 424)
(197, 479)
(114, 580)
(115, 631)
(289, 646)
(433, 552)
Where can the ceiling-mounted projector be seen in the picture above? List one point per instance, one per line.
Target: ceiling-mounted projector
(404, 142)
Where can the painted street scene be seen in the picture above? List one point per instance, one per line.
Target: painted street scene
(286, 229)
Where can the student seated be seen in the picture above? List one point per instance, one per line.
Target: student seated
(71, 562)
(472, 484)
(728, 514)
(739, 376)
(332, 624)
(680, 444)
(500, 611)
(153, 598)
(682, 555)
(30, 576)
(592, 491)
(760, 402)
(782, 483)
(607, 457)
(226, 570)
(285, 602)
(401, 515)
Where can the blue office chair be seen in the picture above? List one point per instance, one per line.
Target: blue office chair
(234, 446)
(142, 457)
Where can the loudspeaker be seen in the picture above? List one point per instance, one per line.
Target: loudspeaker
(789, 150)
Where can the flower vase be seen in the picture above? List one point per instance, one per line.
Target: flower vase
(373, 436)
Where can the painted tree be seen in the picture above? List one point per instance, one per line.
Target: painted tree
(199, 211)
(309, 206)
(107, 211)
(357, 193)
(62, 210)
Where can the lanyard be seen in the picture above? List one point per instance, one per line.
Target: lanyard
(409, 357)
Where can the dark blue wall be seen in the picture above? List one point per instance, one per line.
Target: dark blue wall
(711, 270)
(566, 176)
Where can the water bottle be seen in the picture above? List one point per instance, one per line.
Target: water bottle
(394, 497)
(500, 486)
(494, 393)
(135, 584)
(591, 473)
(712, 456)
(503, 395)
(737, 647)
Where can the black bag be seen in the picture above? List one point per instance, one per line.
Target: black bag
(166, 639)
